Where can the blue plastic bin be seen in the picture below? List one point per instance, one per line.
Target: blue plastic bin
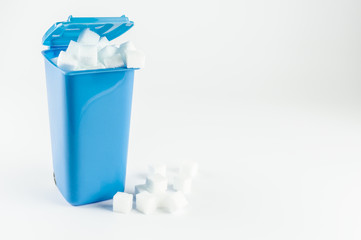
(89, 115)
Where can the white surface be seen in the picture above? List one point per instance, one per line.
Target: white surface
(265, 95)
(188, 169)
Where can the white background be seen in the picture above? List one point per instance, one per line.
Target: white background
(265, 95)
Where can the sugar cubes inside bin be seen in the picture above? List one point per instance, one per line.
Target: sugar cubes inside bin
(91, 51)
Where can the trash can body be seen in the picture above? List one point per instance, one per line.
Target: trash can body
(89, 114)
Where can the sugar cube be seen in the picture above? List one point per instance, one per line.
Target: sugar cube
(110, 57)
(114, 61)
(122, 202)
(173, 201)
(134, 59)
(88, 55)
(146, 202)
(106, 52)
(91, 51)
(103, 42)
(182, 183)
(88, 37)
(160, 169)
(73, 49)
(98, 66)
(157, 183)
(140, 188)
(66, 61)
(126, 46)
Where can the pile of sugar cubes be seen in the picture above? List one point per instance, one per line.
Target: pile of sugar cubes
(157, 192)
(91, 51)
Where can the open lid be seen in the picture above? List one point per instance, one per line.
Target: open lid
(61, 33)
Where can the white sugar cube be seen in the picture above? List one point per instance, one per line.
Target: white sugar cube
(110, 57)
(146, 202)
(188, 169)
(106, 52)
(88, 37)
(92, 52)
(160, 169)
(126, 46)
(98, 66)
(73, 49)
(140, 188)
(88, 55)
(103, 42)
(122, 202)
(134, 59)
(173, 201)
(114, 61)
(183, 184)
(160, 198)
(157, 183)
(66, 61)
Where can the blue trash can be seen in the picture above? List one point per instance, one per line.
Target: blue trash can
(89, 114)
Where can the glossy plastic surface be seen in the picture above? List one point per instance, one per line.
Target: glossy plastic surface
(60, 34)
(89, 121)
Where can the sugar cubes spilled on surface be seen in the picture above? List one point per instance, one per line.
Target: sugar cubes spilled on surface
(157, 183)
(91, 51)
(155, 195)
(158, 168)
(122, 202)
(146, 202)
(140, 188)
(183, 184)
(173, 202)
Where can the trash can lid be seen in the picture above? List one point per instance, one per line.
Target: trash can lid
(61, 33)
